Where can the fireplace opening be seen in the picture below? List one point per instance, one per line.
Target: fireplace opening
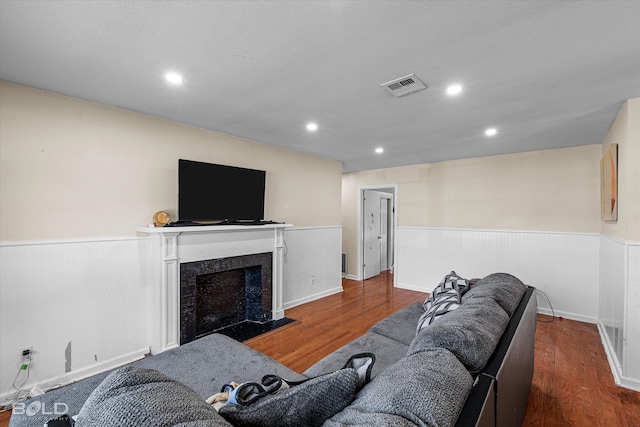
(224, 293)
(222, 299)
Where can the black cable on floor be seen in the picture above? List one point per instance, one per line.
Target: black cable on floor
(553, 314)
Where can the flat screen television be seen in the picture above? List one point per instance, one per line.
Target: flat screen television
(210, 192)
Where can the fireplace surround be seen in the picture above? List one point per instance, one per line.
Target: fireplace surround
(222, 292)
(167, 249)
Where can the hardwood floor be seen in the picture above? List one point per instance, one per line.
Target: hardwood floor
(572, 382)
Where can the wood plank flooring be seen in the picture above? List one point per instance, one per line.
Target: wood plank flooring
(572, 382)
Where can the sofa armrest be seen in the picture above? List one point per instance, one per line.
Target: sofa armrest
(511, 365)
(480, 408)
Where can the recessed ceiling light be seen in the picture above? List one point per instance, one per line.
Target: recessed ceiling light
(312, 127)
(379, 150)
(454, 89)
(490, 132)
(174, 78)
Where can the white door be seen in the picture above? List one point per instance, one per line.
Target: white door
(371, 233)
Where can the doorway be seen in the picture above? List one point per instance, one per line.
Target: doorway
(376, 230)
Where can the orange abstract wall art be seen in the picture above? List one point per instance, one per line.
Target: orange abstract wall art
(609, 184)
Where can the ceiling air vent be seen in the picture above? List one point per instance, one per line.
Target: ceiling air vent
(404, 85)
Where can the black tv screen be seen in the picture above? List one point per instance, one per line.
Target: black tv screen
(210, 192)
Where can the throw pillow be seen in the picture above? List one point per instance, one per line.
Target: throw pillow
(443, 303)
(309, 404)
(450, 282)
(133, 396)
(445, 297)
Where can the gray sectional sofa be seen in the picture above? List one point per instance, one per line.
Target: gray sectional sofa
(470, 367)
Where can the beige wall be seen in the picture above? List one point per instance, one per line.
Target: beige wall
(625, 131)
(73, 169)
(550, 190)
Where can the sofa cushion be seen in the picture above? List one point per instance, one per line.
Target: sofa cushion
(424, 388)
(386, 350)
(505, 289)
(309, 404)
(144, 397)
(400, 325)
(471, 333)
(210, 362)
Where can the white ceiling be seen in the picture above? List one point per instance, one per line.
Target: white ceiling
(546, 74)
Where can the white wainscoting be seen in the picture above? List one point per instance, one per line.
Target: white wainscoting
(312, 264)
(619, 323)
(96, 296)
(565, 266)
(632, 314)
(81, 305)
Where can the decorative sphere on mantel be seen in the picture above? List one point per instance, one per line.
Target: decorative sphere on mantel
(161, 218)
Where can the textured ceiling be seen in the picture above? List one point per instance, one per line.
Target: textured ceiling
(546, 74)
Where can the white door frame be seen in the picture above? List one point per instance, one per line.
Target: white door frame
(388, 227)
(378, 187)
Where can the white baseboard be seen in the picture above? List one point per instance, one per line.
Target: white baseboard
(410, 287)
(351, 276)
(567, 315)
(616, 369)
(313, 297)
(77, 375)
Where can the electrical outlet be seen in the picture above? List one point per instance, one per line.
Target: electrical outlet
(26, 354)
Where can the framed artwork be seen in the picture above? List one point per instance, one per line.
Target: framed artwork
(609, 184)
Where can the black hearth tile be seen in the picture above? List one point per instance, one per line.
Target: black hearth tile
(247, 330)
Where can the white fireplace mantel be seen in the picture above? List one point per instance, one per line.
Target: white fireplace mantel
(170, 246)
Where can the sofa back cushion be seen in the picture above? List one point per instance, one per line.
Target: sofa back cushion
(144, 397)
(471, 332)
(425, 388)
(505, 289)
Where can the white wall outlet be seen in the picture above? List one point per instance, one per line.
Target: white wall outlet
(26, 354)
